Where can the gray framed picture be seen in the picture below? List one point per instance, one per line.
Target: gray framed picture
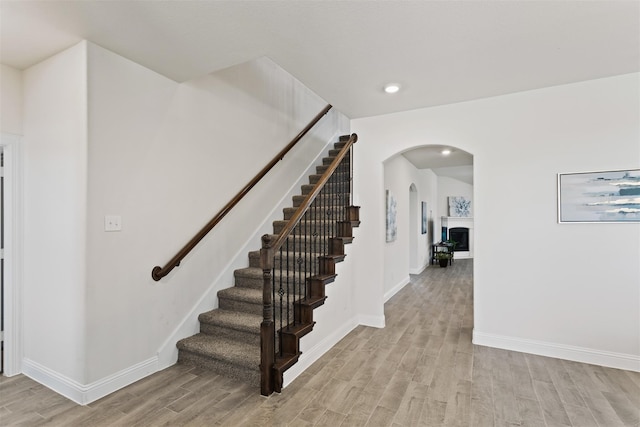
(608, 196)
(424, 217)
(459, 206)
(392, 214)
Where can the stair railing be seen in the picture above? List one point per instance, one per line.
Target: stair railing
(303, 253)
(159, 272)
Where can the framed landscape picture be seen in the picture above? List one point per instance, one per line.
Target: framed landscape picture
(609, 196)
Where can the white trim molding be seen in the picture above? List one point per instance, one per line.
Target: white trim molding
(609, 359)
(419, 270)
(372, 321)
(401, 284)
(13, 214)
(308, 357)
(85, 394)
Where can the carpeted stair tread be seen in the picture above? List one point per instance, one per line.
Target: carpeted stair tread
(315, 214)
(251, 278)
(323, 200)
(339, 177)
(256, 273)
(250, 295)
(235, 320)
(329, 188)
(306, 227)
(224, 349)
(308, 257)
(309, 237)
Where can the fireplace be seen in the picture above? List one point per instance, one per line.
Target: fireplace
(459, 229)
(460, 235)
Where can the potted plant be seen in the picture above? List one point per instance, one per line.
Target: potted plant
(443, 258)
(451, 243)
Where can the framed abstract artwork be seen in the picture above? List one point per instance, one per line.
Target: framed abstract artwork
(459, 206)
(609, 196)
(392, 214)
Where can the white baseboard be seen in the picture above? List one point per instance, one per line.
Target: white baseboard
(419, 269)
(85, 394)
(372, 321)
(308, 357)
(462, 255)
(628, 362)
(401, 284)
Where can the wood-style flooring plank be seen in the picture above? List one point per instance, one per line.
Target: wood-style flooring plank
(421, 370)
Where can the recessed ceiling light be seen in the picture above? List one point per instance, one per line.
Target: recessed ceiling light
(446, 152)
(391, 88)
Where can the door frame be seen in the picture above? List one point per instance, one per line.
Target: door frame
(13, 214)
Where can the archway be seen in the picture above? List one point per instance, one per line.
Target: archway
(431, 178)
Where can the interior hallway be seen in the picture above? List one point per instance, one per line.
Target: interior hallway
(421, 370)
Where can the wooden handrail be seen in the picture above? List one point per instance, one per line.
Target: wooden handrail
(159, 272)
(295, 218)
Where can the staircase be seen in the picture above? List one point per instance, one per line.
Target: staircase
(229, 341)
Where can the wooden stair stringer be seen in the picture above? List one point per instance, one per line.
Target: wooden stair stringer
(227, 332)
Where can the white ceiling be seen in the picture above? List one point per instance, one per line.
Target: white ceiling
(458, 164)
(439, 51)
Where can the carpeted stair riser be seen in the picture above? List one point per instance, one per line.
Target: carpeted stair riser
(249, 302)
(339, 145)
(313, 214)
(289, 259)
(326, 161)
(231, 325)
(251, 278)
(340, 177)
(329, 188)
(320, 169)
(334, 152)
(230, 370)
(315, 244)
(308, 227)
(222, 331)
(323, 200)
(229, 357)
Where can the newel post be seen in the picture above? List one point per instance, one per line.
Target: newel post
(267, 328)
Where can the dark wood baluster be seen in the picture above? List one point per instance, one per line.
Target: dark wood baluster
(267, 329)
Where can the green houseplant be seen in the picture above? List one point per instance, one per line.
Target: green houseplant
(443, 257)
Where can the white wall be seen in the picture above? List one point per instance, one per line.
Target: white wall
(167, 157)
(448, 187)
(55, 197)
(560, 294)
(10, 100)
(336, 318)
(106, 136)
(399, 175)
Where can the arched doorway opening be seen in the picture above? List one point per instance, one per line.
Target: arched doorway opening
(433, 179)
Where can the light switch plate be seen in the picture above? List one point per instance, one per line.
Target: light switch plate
(112, 223)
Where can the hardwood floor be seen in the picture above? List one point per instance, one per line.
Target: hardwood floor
(421, 370)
